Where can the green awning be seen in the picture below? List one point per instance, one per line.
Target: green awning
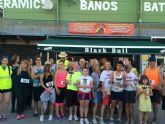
(101, 45)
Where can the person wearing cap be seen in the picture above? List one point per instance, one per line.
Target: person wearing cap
(153, 73)
(62, 57)
(5, 86)
(48, 91)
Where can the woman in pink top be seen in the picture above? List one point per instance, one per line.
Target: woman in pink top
(60, 86)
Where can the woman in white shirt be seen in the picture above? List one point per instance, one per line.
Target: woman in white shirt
(85, 84)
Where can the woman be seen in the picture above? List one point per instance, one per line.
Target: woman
(96, 91)
(15, 65)
(5, 87)
(60, 86)
(49, 92)
(22, 80)
(71, 92)
(85, 85)
(117, 91)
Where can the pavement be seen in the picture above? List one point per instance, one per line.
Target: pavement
(28, 120)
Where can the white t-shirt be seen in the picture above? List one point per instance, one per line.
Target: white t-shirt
(131, 78)
(105, 78)
(85, 81)
(117, 81)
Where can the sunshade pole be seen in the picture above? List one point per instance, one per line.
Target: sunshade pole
(47, 56)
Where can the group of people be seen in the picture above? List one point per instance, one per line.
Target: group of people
(78, 85)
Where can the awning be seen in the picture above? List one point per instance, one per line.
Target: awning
(101, 46)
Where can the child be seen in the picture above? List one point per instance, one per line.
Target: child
(144, 91)
(85, 85)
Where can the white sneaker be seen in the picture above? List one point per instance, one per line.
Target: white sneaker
(86, 121)
(101, 121)
(81, 121)
(75, 118)
(41, 117)
(94, 121)
(70, 117)
(50, 117)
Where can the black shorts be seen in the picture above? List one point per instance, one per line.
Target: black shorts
(118, 96)
(71, 98)
(163, 102)
(156, 96)
(5, 91)
(60, 97)
(37, 91)
(129, 96)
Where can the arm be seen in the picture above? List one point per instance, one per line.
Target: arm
(79, 86)
(140, 91)
(33, 75)
(42, 83)
(55, 80)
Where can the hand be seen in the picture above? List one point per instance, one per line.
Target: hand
(104, 94)
(58, 91)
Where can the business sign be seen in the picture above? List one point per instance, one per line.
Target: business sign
(26, 4)
(100, 5)
(150, 6)
(115, 29)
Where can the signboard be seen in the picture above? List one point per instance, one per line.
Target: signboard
(144, 62)
(115, 29)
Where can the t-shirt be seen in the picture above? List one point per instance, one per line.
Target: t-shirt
(117, 83)
(37, 71)
(131, 78)
(105, 78)
(85, 81)
(73, 78)
(96, 81)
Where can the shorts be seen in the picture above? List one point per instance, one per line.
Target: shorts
(48, 96)
(37, 91)
(106, 101)
(84, 96)
(163, 102)
(60, 97)
(118, 96)
(5, 91)
(156, 96)
(129, 96)
(71, 98)
(97, 98)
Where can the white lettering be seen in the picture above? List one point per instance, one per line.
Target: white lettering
(104, 50)
(147, 6)
(23, 4)
(83, 5)
(155, 7)
(91, 6)
(14, 4)
(86, 50)
(1, 4)
(161, 6)
(98, 5)
(7, 3)
(106, 6)
(114, 6)
(36, 4)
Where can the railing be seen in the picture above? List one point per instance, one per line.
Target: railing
(52, 28)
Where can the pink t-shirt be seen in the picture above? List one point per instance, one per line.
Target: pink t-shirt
(61, 78)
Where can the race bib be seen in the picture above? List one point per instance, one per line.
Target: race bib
(23, 80)
(49, 84)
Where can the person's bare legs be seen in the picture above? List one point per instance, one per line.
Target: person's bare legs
(113, 105)
(120, 109)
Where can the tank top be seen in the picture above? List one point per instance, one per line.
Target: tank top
(61, 78)
(153, 76)
(48, 82)
(117, 81)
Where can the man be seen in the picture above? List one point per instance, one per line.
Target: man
(53, 66)
(153, 73)
(82, 64)
(63, 56)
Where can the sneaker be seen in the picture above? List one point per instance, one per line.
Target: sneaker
(50, 118)
(81, 121)
(22, 116)
(18, 117)
(41, 117)
(94, 121)
(59, 118)
(4, 117)
(126, 122)
(111, 121)
(119, 119)
(35, 115)
(63, 116)
(29, 108)
(153, 122)
(75, 118)
(101, 121)
(1, 117)
(86, 121)
(70, 117)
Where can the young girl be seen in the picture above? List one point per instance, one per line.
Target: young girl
(60, 86)
(49, 92)
(144, 91)
(85, 84)
(22, 80)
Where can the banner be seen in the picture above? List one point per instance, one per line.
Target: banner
(111, 29)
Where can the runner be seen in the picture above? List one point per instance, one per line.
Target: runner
(85, 85)
(5, 87)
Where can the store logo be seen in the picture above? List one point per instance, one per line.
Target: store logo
(154, 6)
(95, 50)
(98, 5)
(26, 4)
